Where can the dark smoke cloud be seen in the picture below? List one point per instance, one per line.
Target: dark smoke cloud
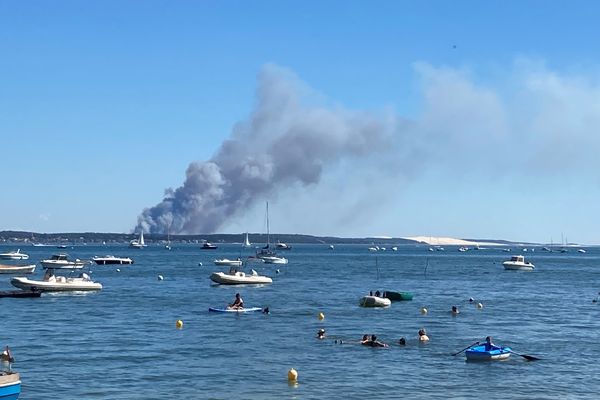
(284, 142)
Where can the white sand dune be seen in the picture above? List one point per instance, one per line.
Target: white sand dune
(447, 241)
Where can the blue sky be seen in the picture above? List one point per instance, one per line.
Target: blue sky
(489, 112)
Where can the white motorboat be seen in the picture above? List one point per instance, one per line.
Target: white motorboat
(138, 243)
(235, 277)
(581, 251)
(14, 255)
(53, 283)
(208, 246)
(283, 246)
(17, 269)
(112, 260)
(373, 248)
(518, 263)
(274, 260)
(228, 262)
(62, 261)
(374, 301)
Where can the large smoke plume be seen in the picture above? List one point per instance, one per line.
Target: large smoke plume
(284, 141)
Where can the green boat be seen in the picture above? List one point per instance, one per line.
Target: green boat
(398, 296)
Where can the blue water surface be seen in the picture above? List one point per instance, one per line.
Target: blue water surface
(122, 343)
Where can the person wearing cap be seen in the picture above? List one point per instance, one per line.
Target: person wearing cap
(321, 334)
(237, 303)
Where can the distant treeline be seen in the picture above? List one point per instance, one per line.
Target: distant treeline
(255, 238)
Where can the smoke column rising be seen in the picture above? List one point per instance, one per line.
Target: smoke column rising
(283, 142)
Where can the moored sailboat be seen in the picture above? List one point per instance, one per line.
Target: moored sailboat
(138, 243)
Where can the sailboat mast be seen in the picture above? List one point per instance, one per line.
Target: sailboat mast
(268, 231)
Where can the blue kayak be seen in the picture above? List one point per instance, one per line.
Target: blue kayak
(485, 353)
(235, 310)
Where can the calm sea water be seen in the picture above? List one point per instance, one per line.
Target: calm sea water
(122, 343)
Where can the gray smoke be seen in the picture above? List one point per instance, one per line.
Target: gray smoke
(283, 142)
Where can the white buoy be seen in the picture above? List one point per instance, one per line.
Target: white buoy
(479, 305)
(423, 310)
(160, 278)
(276, 271)
(292, 375)
(118, 270)
(199, 264)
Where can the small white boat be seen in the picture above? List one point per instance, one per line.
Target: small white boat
(208, 246)
(52, 283)
(274, 260)
(17, 269)
(228, 262)
(518, 263)
(62, 261)
(112, 260)
(283, 246)
(394, 248)
(581, 251)
(373, 248)
(138, 243)
(332, 247)
(463, 249)
(374, 301)
(235, 277)
(14, 255)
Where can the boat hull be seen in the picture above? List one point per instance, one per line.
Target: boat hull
(374, 301)
(508, 265)
(229, 263)
(14, 256)
(274, 260)
(239, 279)
(112, 261)
(478, 353)
(236, 310)
(10, 386)
(17, 269)
(68, 285)
(62, 266)
(398, 296)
